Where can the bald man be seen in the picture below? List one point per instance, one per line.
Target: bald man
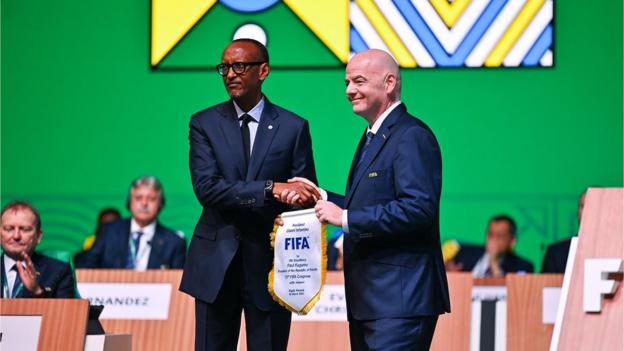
(394, 274)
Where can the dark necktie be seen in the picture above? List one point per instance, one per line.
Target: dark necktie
(16, 282)
(136, 241)
(244, 127)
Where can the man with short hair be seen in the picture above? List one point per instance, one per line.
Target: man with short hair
(242, 152)
(395, 281)
(497, 257)
(26, 273)
(139, 242)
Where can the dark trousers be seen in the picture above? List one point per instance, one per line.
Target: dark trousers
(391, 334)
(217, 324)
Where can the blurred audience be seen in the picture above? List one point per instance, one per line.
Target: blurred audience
(26, 273)
(557, 253)
(497, 257)
(139, 242)
(106, 215)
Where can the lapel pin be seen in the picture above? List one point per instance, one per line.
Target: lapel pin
(270, 126)
(383, 135)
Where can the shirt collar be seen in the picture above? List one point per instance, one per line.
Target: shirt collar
(375, 127)
(8, 263)
(148, 231)
(255, 112)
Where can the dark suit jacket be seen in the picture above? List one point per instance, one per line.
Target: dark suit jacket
(556, 257)
(469, 255)
(393, 259)
(56, 277)
(236, 215)
(110, 249)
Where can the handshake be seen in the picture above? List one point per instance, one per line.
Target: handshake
(298, 191)
(302, 192)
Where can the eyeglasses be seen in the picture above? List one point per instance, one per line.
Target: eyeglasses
(238, 67)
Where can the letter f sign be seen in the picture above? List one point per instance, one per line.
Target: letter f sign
(596, 284)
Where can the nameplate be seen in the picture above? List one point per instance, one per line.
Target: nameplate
(331, 307)
(19, 332)
(129, 300)
(489, 292)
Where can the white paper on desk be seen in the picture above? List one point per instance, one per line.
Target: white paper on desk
(550, 302)
(20, 332)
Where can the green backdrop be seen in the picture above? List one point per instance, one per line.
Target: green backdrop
(83, 114)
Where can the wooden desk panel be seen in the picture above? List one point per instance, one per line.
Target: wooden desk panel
(63, 323)
(175, 333)
(525, 330)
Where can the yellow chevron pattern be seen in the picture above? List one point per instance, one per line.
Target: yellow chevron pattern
(449, 11)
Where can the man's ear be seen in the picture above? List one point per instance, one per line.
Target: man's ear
(39, 236)
(264, 71)
(391, 83)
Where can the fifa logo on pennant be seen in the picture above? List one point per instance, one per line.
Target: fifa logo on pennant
(296, 243)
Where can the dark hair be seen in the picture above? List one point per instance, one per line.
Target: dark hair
(264, 53)
(108, 210)
(502, 217)
(23, 205)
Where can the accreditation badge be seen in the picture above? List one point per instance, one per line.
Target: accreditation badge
(300, 261)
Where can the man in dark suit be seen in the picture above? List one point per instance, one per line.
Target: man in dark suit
(497, 257)
(394, 273)
(139, 242)
(241, 153)
(556, 256)
(24, 272)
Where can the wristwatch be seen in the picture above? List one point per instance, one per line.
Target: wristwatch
(268, 189)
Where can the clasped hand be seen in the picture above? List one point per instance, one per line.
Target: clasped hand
(297, 192)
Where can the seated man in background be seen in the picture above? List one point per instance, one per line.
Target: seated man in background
(106, 215)
(139, 242)
(497, 257)
(556, 255)
(24, 272)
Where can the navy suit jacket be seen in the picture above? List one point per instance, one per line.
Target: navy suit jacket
(393, 260)
(110, 249)
(56, 279)
(556, 257)
(469, 255)
(236, 215)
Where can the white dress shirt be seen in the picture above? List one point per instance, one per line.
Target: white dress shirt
(256, 114)
(145, 244)
(374, 129)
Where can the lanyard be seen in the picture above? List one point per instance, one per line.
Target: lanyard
(6, 292)
(136, 256)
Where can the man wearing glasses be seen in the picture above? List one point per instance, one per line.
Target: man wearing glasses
(242, 152)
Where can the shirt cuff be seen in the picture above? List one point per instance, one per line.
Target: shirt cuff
(345, 222)
(323, 194)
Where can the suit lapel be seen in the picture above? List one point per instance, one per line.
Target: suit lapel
(267, 129)
(231, 131)
(356, 156)
(376, 145)
(3, 272)
(157, 245)
(123, 238)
